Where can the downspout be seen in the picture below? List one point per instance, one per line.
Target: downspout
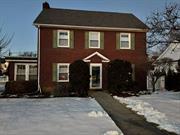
(38, 47)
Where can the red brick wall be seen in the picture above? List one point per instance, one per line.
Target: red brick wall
(49, 55)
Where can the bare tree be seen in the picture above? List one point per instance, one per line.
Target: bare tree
(28, 54)
(4, 42)
(164, 26)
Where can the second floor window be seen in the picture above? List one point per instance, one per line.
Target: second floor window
(63, 38)
(94, 39)
(125, 41)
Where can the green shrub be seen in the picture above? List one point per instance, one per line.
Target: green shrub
(119, 76)
(20, 87)
(79, 78)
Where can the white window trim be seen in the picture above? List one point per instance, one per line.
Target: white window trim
(59, 37)
(129, 39)
(104, 59)
(62, 64)
(26, 70)
(96, 65)
(98, 39)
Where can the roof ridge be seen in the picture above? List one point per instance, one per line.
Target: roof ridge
(93, 11)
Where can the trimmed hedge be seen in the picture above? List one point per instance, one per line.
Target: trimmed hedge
(79, 78)
(119, 76)
(20, 87)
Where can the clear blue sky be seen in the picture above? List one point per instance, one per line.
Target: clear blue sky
(17, 16)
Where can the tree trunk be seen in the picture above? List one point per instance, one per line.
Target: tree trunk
(153, 84)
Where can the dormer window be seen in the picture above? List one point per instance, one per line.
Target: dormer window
(125, 41)
(63, 38)
(94, 39)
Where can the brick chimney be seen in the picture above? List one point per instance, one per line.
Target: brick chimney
(46, 5)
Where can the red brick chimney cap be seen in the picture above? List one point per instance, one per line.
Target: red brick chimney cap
(46, 5)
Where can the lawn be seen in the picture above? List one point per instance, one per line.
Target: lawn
(162, 108)
(54, 116)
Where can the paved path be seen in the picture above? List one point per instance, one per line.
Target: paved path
(129, 122)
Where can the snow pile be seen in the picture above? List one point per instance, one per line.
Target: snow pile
(150, 113)
(113, 133)
(97, 114)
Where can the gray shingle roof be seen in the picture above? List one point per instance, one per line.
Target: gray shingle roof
(89, 18)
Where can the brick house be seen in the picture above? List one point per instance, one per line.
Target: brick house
(96, 37)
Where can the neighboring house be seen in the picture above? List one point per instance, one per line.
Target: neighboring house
(21, 68)
(65, 36)
(172, 52)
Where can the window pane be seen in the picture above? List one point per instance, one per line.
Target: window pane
(33, 69)
(63, 76)
(125, 44)
(94, 43)
(63, 69)
(63, 35)
(20, 77)
(93, 35)
(32, 72)
(32, 77)
(21, 69)
(63, 42)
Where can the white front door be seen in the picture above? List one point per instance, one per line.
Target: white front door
(96, 76)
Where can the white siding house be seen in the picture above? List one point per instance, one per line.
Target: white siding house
(172, 52)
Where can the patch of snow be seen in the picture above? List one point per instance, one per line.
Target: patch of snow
(97, 114)
(113, 133)
(162, 108)
(46, 116)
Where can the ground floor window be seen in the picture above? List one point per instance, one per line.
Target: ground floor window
(63, 72)
(25, 71)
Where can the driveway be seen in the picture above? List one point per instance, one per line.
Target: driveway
(129, 122)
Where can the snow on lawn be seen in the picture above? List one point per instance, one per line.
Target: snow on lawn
(55, 116)
(162, 108)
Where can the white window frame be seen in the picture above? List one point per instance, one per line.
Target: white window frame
(98, 39)
(26, 70)
(62, 64)
(129, 40)
(59, 37)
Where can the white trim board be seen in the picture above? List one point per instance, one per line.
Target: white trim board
(104, 59)
(91, 27)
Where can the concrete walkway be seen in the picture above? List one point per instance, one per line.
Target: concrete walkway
(129, 122)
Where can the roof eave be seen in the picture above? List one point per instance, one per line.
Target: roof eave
(92, 27)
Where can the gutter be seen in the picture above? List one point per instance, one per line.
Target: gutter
(38, 45)
(91, 27)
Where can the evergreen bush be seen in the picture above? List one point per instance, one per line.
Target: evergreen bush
(119, 76)
(79, 78)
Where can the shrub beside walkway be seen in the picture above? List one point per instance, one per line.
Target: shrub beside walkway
(129, 122)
